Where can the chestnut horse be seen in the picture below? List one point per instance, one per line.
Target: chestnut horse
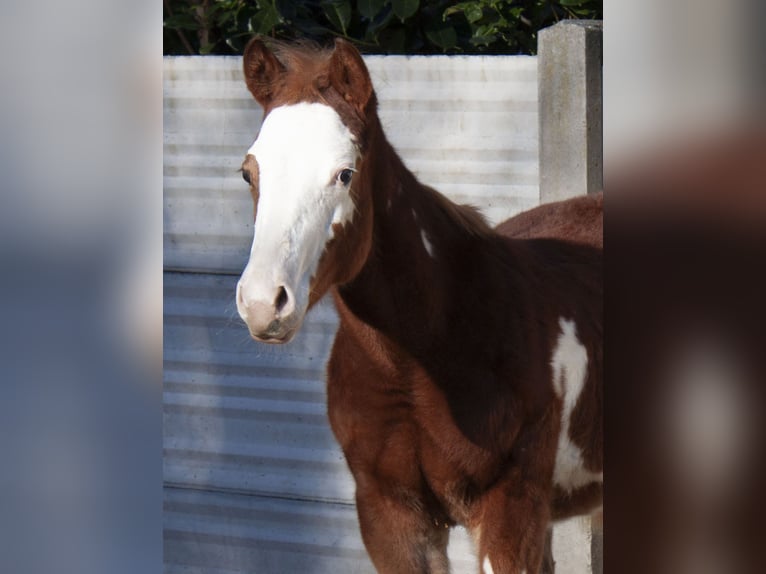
(464, 384)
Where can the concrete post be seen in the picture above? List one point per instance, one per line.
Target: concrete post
(569, 63)
(597, 550)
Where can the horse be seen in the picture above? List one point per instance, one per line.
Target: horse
(464, 384)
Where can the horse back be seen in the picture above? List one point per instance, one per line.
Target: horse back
(579, 220)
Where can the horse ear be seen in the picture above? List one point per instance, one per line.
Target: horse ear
(262, 71)
(349, 75)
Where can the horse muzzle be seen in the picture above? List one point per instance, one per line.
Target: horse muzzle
(271, 315)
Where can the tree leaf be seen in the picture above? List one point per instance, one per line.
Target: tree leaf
(405, 8)
(394, 40)
(443, 35)
(182, 22)
(473, 13)
(483, 39)
(287, 8)
(457, 8)
(265, 20)
(379, 23)
(338, 12)
(370, 8)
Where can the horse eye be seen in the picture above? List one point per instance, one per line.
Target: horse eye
(345, 175)
(246, 176)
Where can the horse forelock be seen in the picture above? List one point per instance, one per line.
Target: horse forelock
(307, 79)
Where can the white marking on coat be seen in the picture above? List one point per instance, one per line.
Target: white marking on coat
(426, 242)
(300, 150)
(570, 368)
(487, 566)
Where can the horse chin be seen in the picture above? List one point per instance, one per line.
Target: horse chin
(283, 335)
(275, 339)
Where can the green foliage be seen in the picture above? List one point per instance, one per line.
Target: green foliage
(375, 26)
(405, 8)
(338, 12)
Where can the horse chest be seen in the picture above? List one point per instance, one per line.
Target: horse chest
(400, 423)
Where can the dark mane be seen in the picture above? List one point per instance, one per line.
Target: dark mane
(305, 63)
(306, 78)
(468, 217)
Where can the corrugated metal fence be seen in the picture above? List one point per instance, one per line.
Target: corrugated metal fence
(254, 481)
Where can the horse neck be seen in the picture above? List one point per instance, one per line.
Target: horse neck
(414, 281)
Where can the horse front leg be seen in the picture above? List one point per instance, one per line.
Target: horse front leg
(400, 534)
(514, 515)
(514, 530)
(549, 564)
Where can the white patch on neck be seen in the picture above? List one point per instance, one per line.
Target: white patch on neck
(486, 566)
(570, 368)
(427, 243)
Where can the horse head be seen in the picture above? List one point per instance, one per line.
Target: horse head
(312, 225)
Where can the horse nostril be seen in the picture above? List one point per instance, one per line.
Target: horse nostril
(281, 300)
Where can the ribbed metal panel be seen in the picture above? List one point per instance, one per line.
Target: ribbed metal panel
(465, 125)
(242, 416)
(223, 533)
(210, 120)
(255, 481)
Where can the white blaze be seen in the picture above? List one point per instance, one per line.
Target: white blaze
(300, 150)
